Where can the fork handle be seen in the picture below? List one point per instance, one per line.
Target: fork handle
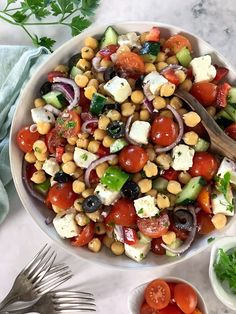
(11, 297)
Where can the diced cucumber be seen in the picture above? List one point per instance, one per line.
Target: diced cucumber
(223, 114)
(160, 184)
(175, 245)
(223, 122)
(42, 188)
(143, 239)
(231, 110)
(201, 145)
(97, 104)
(110, 37)
(149, 51)
(74, 71)
(190, 191)
(232, 95)
(184, 57)
(55, 99)
(118, 145)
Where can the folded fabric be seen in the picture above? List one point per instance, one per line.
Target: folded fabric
(18, 64)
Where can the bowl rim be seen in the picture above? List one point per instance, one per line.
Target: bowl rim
(17, 184)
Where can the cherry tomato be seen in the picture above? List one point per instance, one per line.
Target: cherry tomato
(204, 199)
(181, 234)
(146, 309)
(85, 236)
(222, 94)
(185, 297)
(59, 152)
(204, 92)
(25, 139)
(157, 294)
(204, 223)
(53, 140)
(62, 195)
(156, 247)
(103, 151)
(171, 309)
(197, 311)
(68, 124)
(164, 131)
(170, 174)
(130, 64)
(107, 51)
(231, 131)
(153, 35)
(130, 236)
(171, 76)
(176, 42)
(53, 74)
(122, 213)
(154, 227)
(205, 165)
(221, 73)
(172, 289)
(133, 158)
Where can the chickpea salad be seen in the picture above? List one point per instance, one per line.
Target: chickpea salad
(118, 158)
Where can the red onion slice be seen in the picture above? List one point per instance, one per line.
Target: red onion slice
(96, 64)
(65, 90)
(127, 127)
(85, 116)
(75, 87)
(33, 128)
(174, 67)
(147, 92)
(85, 128)
(148, 104)
(93, 165)
(180, 135)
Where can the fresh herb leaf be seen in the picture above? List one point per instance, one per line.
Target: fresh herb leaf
(71, 124)
(78, 24)
(140, 211)
(223, 186)
(11, 1)
(38, 150)
(89, 6)
(43, 41)
(84, 156)
(209, 240)
(19, 17)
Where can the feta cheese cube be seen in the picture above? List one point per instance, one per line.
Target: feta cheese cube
(139, 131)
(202, 69)
(138, 251)
(145, 206)
(155, 80)
(106, 195)
(42, 115)
(118, 88)
(130, 39)
(227, 165)
(83, 158)
(222, 205)
(65, 225)
(182, 156)
(51, 166)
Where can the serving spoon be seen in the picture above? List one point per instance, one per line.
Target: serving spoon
(220, 142)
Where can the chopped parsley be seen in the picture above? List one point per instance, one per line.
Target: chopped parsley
(38, 150)
(84, 156)
(211, 239)
(140, 211)
(166, 225)
(223, 185)
(71, 124)
(179, 153)
(60, 121)
(141, 255)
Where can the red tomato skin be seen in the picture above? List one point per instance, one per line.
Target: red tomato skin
(85, 236)
(154, 227)
(130, 64)
(108, 51)
(221, 73)
(122, 213)
(133, 158)
(204, 92)
(204, 199)
(170, 174)
(62, 195)
(130, 236)
(171, 309)
(181, 234)
(53, 74)
(185, 297)
(205, 165)
(103, 151)
(59, 152)
(176, 42)
(157, 294)
(156, 247)
(204, 224)
(62, 124)
(25, 139)
(146, 309)
(153, 35)
(171, 76)
(222, 93)
(231, 131)
(164, 131)
(53, 140)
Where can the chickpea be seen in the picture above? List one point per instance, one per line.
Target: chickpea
(100, 169)
(161, 65)
(172, 198)
(144, 115)
(113, 161)
(95, 245)
(94, 83)
(82, 143)
(174, 187)
(72, 140)
(81, 219)
(107, 141)
(161, 57)
(181, 75)
(191, 119)
(219, 221)
(62, 68)
(57, 209)
(151, 153)
(123, 48)
(114, 115)
(159, 102)
(100, 228)
(127, 109)
(149, 67)
(107, 241)
(184, 177)
(69, 148)
(87, 53)
(190, 138)
(182, 111)
(152, 192)
(166, 113)
(40, 156)
(93, 146)
(117, 248)
(81, 80)
(131, 83)
(87, 192)
(69, 167)
(95, 216)
(43, 127)
(176, 102)
(169, 237)
(164, 160)
(78, 186)
(91, 42)
(167, 89)
(186, 85)
(39, 146)
(83, 135)
(68, 156)
(211, 110)
(78, 205)
(163, 201)
(137, 177)
(84, 65)
(150, 169)
(103, 122)
(38, 164)
(100, 78)
(145, 185)
(143, 37)
(39, 102)
(99, 134)
(30, 158)
(137, 97)
(78, 173)
(89, 75)
(172, 60)
(38, 177)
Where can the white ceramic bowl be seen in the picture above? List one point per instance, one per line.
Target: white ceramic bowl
(22, 117)
(136, 296)
(228, 299)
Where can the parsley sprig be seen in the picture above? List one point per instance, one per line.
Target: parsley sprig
(74, 14)
(223, 185)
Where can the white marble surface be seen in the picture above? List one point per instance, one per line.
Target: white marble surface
(20, 238)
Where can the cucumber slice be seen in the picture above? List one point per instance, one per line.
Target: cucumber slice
(42, 188)
(201, 145)
(160, 184)
(184, 57)
(55, 99)
(74, 71)
(149, 51)
(175, 245)
(118, 145)
(223, 114)
(97, 104)
(232, 95)
(190, 191)
(110, 37)
(231, 110)
(143, 239)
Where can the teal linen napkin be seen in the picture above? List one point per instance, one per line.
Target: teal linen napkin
(18, 64)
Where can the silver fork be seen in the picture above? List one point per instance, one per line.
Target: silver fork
(37, 278)
(60, 302)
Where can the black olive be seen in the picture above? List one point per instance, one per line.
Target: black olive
(62, 177)
(91, 204)
(130, 190)
(45, 88)
(73, 60)
(183, 219)
(109, 73)
(116, 129)
(115, 106)
(139, 83)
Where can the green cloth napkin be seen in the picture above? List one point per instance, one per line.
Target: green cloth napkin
(18, 64)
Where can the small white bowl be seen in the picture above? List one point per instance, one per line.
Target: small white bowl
(227, 298)
(136, 296)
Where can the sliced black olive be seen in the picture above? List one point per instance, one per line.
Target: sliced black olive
(115, 106)
(62, 177)
(109, 73)
(139, 83)
(130, 190)
(116, 129)
(183, 219)
(73, 60)
(45, 88)
(91, 204)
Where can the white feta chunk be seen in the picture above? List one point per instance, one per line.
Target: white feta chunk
(182, 156)
(227, 165)
(222, 205)
(65, 225)
(145, 206)
(83, 158)
(139, 131)
(202, 69)
(51, 166)
(155, 80)
(118, 233)
(42, 115)
(106, 195)
(130, 39)
(118, 88)
(138, 251)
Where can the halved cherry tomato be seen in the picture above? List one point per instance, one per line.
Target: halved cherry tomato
(53, 140)
(197, 311)
(146, 309)
(181, 234)
(156, 247)
(172, 289)
(84, 102)
(204, 92)
(204, 199)
(85, 236)
(231, 131)
(171, 76)
(176, 42)
(164, 131)
(130, 236)
(221, 73)
(130, 64)
(171, 309)
(204, 223)
(62, 195)
(204, 164)
(107, 51)
(133, 158)
(222, 94)
(185, 297)
(157, 294)
(103, 151)
(25, 139)
(53, 74)
(170, 174)
(154, 227)
(68, 124)
(153, 35)
(59, 152)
